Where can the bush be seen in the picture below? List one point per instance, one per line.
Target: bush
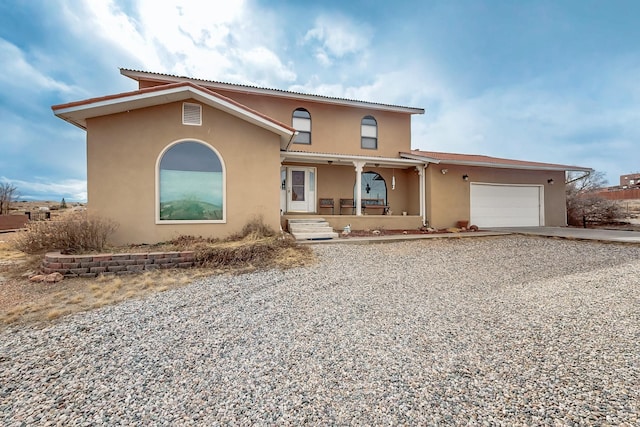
(74, 233)
(257, 245)
(593, 209)
(254, 230)
(245, 253)
(584, 204)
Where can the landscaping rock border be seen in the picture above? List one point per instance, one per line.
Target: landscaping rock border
(92, 265)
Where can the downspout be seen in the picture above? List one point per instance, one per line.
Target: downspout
(578, 178)
(423, 195)
(291, 140)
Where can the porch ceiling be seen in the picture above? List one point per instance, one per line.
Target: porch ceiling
(349, 160)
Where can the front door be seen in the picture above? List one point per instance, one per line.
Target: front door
(301, 186)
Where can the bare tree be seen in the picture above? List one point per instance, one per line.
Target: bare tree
(8, 193)
(583, 203)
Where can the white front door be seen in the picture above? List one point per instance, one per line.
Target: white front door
(301, 189)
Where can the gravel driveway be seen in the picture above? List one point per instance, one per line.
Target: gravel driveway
(505, 330)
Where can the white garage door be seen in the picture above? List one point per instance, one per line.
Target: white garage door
(505, 205)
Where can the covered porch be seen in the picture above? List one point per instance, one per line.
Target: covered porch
(363, 192)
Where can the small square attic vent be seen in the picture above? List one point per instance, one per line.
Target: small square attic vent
(191, 114)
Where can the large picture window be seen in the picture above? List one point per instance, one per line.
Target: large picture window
(191, 183)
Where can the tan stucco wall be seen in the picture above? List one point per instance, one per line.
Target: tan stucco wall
(334, 128)
(448, 196)
(122, 151)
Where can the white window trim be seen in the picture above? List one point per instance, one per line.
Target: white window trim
(158, 221)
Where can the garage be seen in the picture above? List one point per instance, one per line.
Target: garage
(495, 205)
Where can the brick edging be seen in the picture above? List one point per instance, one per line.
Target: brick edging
(110, 264)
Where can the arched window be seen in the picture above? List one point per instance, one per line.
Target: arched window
(369, 133)
(301, 122)
(372, 186)
(190, 183)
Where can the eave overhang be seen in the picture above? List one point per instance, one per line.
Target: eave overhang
(77, 113)
(347, 159)
(493, 162)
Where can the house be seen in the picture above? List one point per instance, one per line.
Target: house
(182, 156)
(630, 180)
(629, 189)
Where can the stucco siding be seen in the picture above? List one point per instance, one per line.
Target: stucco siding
(448, 195)
(335, 128)
(122, 153)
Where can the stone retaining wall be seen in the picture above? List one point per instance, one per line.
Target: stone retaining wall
(109, 264)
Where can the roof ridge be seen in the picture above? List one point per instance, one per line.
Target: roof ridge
(125, 71)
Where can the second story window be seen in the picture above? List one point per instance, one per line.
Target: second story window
(369, 133)
(302, 123)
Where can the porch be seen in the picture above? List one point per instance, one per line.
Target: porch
(363, 192)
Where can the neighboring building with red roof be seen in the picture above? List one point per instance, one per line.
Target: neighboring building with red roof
(185, 156)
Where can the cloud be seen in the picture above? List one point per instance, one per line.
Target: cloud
(535, 123)
(261, 61)
(414, 85)
(45, 189)
(203, 39)
(338, 36)
(17, 72)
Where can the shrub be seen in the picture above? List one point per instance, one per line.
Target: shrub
(245, 253)
(584, 204)
(257, 245)
(74, 233)
(254, 230)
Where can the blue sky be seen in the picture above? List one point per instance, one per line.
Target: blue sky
(551, 81)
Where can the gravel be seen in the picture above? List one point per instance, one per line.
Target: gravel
(489, 331)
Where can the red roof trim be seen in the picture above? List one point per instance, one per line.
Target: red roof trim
(476, 158)
(166, 87)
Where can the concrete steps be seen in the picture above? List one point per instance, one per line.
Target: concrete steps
(311, 229)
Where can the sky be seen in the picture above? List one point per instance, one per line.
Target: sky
(551, 81)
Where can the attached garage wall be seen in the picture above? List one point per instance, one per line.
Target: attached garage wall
(499, 205)
(448, 196)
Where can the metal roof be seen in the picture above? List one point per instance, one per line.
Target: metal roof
(160, 77)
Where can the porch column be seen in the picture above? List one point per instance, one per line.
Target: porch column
(423, 211)
(358, 201)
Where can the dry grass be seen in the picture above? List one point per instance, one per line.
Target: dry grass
(630, 208)
(22, 301)
(8, 253)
